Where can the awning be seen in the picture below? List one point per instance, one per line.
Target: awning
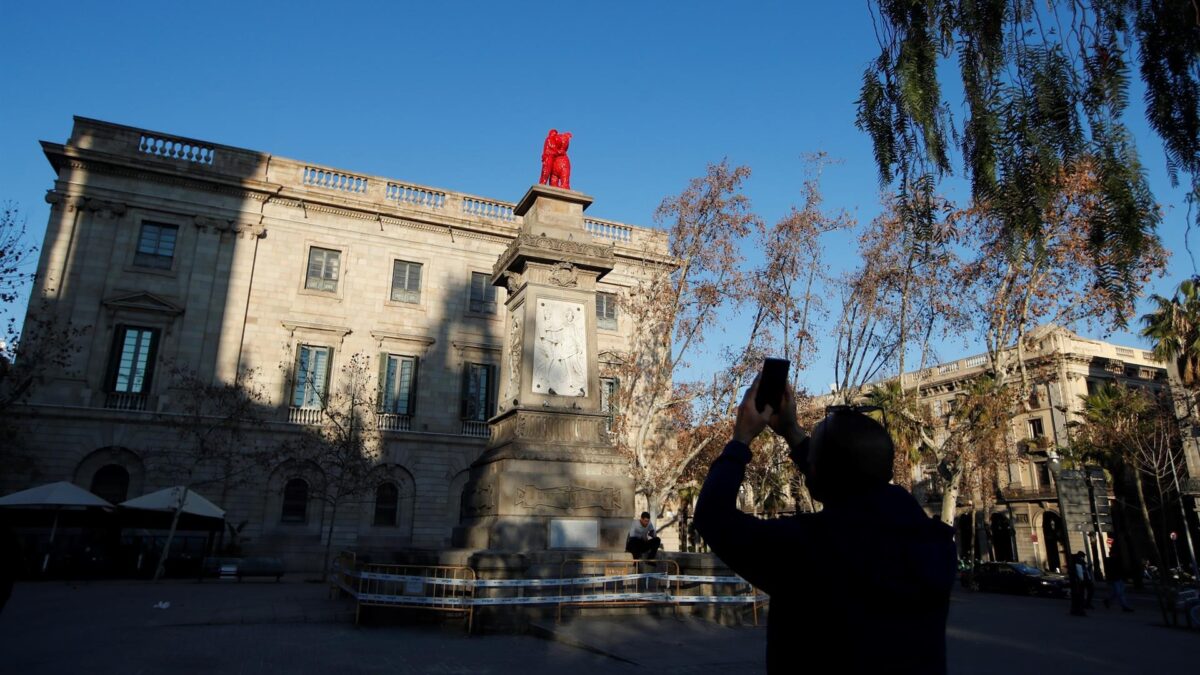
(167, 499)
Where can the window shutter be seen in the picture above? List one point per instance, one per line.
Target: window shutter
(151, 356)
(492, 394)
(465, 392)
(114, 358)
(324, 361)
(381, 402)
(300, 377)
(412, 396)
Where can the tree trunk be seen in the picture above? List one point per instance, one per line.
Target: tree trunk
(162, 558)
(329, 540)
(950, 499)
(1160, 586)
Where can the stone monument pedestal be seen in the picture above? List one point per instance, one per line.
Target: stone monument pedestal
(550, 478)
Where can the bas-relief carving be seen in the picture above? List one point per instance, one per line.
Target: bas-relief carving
(560, 364)
(480, 501)
(513, 281)
(515, 345)
(569, 498)
(564, 275)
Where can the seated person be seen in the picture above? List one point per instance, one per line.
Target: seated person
(642, 540)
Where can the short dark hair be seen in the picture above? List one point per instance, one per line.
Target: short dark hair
(645, 514)
(855, 448)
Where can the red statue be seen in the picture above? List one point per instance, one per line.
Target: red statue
(556, 168)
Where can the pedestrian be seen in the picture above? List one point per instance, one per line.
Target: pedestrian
(1076, 569)
(862, 585)
(642, 540)
(1089, 581)
(1116, 585)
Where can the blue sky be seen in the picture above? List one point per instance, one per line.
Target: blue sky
(460, 95)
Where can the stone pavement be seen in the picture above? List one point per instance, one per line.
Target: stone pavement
(264, 627)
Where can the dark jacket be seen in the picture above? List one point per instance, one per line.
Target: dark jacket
(862, 586)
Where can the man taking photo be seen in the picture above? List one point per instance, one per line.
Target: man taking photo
(862, 585)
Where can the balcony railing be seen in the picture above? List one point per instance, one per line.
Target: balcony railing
(393, 422)
(476, 429)
(304, 415)
(123, 401)
(1015, 493)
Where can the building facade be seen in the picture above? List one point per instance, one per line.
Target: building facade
(234, 264)
(1022, 522)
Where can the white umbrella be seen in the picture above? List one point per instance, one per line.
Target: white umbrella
(60, 495)
(167, 499)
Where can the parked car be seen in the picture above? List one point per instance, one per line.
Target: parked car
(1019, 578)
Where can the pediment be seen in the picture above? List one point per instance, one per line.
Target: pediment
(143, 302)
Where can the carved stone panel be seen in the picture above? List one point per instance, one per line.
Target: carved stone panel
(516, 343)
(560, 361)
(569, 498)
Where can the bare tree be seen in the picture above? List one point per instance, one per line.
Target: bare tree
(673, 308)
(344, 446)
(212, 422)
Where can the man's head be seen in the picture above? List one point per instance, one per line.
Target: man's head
(645, 518)
(848, 453)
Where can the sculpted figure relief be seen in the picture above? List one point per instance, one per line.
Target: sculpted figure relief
(559, 357)
(556, 168)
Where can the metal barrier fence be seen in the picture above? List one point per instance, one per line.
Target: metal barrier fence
(582, 583)
(444, 588)
(617, 583)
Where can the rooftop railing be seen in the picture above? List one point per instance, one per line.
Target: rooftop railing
(193, 154)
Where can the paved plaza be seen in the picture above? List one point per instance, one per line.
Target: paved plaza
(115, 627)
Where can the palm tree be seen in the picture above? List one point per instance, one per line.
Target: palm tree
(1175, 328)
(906, 421)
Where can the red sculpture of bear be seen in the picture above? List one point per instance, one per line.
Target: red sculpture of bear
(556, 167)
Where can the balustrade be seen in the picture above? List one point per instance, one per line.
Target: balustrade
(393, 422)
(488, 209)
(304, 415)
(417, 196)
(122, 401)
(334, 180)
(975, 361)
(476, 429)
(607, 230)
(171, 148)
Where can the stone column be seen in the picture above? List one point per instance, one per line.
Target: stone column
(550, 477)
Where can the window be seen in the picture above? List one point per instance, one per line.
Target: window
(111, 482)
(1043, 474)
(1035, 428)
(387, 500)
(483, 294)
(398, 382)
(312, 377)
(406, 281)
(323, 265)
(156, 246)
(606, 310)
(133, 360)
(295, 502)
(477, 397)
(608, 397)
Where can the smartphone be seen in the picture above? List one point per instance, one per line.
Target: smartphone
(772, 383)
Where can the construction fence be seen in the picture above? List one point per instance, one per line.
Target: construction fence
(582, 583)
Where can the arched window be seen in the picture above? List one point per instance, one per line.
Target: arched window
(111, 482)
(387, 499)
(295, 501)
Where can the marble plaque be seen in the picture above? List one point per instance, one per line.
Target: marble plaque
(574, 533)
(560, 363)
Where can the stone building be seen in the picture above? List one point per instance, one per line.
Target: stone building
(1024, 521)
(174, 251)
